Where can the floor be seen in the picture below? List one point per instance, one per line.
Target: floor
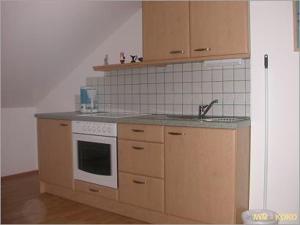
(21, 202)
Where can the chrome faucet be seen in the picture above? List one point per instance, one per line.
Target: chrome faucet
(203, 109)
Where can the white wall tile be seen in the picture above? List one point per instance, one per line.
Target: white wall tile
(177, 98)
(187, 76)
(177, 77)
(217, 75)
(197, 76)
(217, 87)
(187, 88)
(177, 109)
(197, 87)
(187, 99)
(177, 87)
(239, 74)
(187, 109)
(168, 88)
(239, 110)
(227, 74)
(239, 86)
(228, 87)
(152, 78)
(207, 87)
(206, 75)
(168, 77)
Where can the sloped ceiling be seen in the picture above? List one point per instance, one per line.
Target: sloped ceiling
(43, 41)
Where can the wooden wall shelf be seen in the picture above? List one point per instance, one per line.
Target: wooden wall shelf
(111, 67)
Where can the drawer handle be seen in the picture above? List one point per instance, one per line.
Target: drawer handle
(202, 49)
(63, 124)
(93, 190)
(137, 130)
(138, 182)
(137, 148)
(177, 52)
(175, 133)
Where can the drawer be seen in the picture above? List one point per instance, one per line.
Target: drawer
(142, 191)
(141, 158)
(96, 190)
(140, 132)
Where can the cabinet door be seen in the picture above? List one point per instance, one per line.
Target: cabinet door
(55, 152)
(199, 174)
(165, 30)
(219, 28)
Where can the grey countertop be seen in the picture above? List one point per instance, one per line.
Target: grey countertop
(146, 119)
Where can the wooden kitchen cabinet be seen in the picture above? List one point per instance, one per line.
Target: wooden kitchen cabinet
(207, 173)
(165, 30)
(55, 152)
(219, 28)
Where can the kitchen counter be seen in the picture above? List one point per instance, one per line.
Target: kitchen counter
(146, 119)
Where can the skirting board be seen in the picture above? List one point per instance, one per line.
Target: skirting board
(114, 206)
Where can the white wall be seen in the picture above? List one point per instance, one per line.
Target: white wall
(18, 146)
(272, 33)
(128, 38)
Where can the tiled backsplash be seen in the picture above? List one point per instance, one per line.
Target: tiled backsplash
(176, 89)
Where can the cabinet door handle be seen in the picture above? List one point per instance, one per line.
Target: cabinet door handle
(137, 130)
(177, 52)
(138, 182)
(202, 49)
(93, 190)
(175, 133)
(137, 148)
(63, 124)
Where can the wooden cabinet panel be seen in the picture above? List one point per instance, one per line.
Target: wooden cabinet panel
(138, 132)
(55, 152)
(165, 30)
(200, 174)
(221, 26)
(96, 190)
(142, 191)
(141, 158)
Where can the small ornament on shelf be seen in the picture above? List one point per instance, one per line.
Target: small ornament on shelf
(122, 57)
(106, 59)
(133, 58)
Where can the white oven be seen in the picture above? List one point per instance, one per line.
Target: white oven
(95, 152)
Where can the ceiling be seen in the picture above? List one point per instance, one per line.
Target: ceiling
(43, 41)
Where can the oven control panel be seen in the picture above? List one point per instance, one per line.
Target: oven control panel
(94, 128)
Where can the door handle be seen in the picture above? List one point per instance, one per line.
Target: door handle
(137, 130)
(137, 148)
(63, 124)
(202, 49)
(177, 52)
(93, 190)
(138, 182)
(176, 133)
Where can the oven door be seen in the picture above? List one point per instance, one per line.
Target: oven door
(95, 159)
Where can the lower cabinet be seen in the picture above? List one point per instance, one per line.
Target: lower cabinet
(55, 152)
(206, 173)
(146, 192)
(166, 174)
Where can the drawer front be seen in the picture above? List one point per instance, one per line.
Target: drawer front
(96, 190)
(142, 191)
(140, 132)
(141, 158)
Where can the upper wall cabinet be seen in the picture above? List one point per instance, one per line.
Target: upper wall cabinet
(196, 29)
(166, 30)
(219, 28)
